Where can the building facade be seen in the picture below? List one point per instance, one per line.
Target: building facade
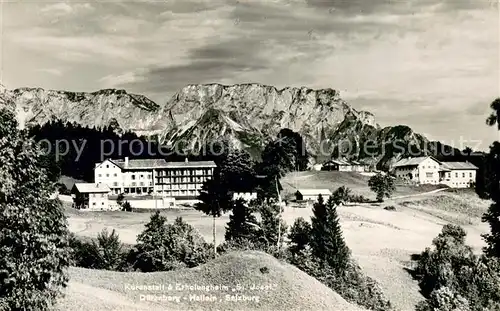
(458, 174)
(181, 180)
(420, 170)
(312, 194)
(89, 196)
(428, 170)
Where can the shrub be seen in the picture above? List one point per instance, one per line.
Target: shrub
(444, 299)
(390, 208)
(61, 187)
(107, 251)
(126, 207)
(120, 198)
(163, 247)
(357, 198)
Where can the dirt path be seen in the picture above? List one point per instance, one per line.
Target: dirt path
(418, 194)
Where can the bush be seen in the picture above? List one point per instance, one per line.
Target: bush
(106, 252)
(63, 189)
(444, 299)
(164, 247)
(390, 208)
(126, 207)
(357, 198)
(451, 273)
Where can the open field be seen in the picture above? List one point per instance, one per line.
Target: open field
(332, 180)
(286, 288)
(381, 241)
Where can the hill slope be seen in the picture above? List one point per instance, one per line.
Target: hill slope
(289, 288)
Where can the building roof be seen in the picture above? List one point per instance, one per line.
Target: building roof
(314, 191)
(338, 162)
(143, 164)
(412, 161)
(92, 188)
(459, 166)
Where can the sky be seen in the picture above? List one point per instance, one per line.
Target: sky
(433, 65)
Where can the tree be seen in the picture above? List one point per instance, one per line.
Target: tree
(34, 237)
(492, 216)
(164, 247)
(150, 253)
(494, 118)
(107, 251)
(241, 225)
(299, 235)
(341, 195)
(272, 224)
(214, 200)
(327, 242)
(382, 185)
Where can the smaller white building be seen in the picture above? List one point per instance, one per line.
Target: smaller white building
(458, 174)
(312, 194)
(90, 196)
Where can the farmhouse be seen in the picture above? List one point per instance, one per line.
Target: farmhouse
(428, 170)
(337, 165)
(421, 170)
(312, 194)
(180, 180)
(89, 196)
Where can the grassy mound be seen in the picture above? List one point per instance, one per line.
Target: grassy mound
(280, 286)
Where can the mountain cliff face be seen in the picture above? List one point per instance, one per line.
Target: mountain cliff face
(99, 109)
(253, 110)
(247, 115)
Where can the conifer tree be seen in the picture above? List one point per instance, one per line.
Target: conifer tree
(242, 223)
(270, 224)
(299, 235)
(327, 241)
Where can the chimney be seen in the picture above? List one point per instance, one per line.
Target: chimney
(126, 161)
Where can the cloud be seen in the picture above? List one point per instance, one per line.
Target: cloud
(52, 71)
(64, 8)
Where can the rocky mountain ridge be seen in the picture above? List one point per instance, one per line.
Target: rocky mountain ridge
(249, 115)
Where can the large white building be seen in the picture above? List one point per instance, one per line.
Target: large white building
(428, 170)
(181, 180)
